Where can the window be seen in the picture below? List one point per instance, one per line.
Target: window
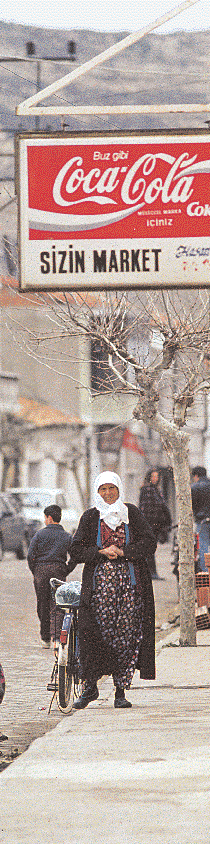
(103, 378)
(34, 474)
(100, 371)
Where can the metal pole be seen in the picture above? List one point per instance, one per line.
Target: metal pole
(38, 88)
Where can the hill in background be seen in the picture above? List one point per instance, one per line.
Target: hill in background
(169, 68)
(160, 68)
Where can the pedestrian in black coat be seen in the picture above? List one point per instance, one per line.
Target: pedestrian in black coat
(47, 557)
(155, 510)
(116, 614)
(200, 491)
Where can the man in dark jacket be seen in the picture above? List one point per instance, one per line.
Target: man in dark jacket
(201, 510)
(47, 557)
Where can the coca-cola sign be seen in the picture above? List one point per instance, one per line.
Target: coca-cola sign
(114, 211)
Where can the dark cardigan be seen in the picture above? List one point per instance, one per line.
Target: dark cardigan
(154, 508)
(84, 550)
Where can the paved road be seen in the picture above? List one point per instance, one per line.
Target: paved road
(23, 714)
(24, 711)
(137, 776)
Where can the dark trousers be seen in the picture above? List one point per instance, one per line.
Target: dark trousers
(45, 602)
(203, 529)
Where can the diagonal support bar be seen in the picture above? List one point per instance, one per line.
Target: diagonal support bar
(24, 107)
(156, 108)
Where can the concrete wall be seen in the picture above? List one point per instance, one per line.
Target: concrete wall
(47, 461)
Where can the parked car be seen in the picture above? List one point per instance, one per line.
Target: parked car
(13, 528)
(33, 500)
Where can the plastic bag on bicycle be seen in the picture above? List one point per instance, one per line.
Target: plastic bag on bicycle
(68, 594)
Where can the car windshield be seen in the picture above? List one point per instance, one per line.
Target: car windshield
(40, 498)
(36, 499)
(15, 501)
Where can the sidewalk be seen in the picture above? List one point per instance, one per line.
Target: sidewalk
(105, 776)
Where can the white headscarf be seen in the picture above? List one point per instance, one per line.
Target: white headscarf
(112, 514)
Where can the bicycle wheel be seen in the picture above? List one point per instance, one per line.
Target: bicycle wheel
(65, 694)
(77, 679)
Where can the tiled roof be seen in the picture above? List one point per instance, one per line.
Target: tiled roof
(40, 415)
(11, 297)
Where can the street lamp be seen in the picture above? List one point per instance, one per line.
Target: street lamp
(31, 52)
(32, 57)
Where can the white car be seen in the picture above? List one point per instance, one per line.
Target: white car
(32, 502)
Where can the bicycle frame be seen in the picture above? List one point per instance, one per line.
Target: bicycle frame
(68, 646)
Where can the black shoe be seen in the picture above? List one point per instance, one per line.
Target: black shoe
(85, 698)
(122, 703)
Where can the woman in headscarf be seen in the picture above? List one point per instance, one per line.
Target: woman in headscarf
(116, 614)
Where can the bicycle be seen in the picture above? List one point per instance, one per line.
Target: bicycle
(65, 679)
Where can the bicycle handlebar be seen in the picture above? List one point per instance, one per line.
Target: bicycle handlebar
(55, 583)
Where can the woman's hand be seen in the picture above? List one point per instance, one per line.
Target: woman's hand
(112, 552)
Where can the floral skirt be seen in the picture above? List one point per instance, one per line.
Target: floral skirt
(118, 611)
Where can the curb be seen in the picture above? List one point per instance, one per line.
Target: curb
(172, 639)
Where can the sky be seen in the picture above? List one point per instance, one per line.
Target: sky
(104, 16)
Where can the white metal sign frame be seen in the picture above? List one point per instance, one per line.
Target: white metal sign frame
(29, 227)
(114, 211)
(31, 105)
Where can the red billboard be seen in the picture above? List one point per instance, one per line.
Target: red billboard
(114, 211)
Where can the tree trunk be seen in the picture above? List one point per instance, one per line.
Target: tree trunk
(186, 546)
(176, 443)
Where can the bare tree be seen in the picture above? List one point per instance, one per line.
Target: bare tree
(155, 346)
